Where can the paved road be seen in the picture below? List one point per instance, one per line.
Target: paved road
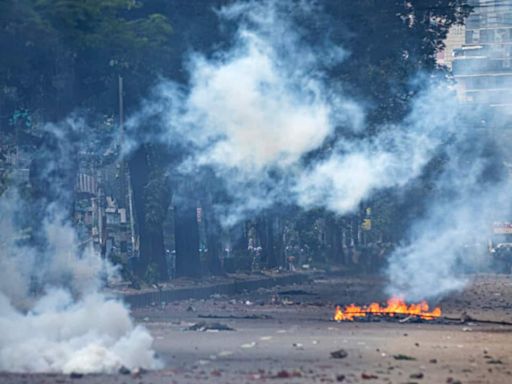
(285, 335)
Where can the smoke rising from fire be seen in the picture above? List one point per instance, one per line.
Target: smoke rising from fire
(450, 238)
(257, 111)
(52, 314)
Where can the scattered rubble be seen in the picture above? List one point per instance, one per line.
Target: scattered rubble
(203, 326)
(235, 317)
(284, 374)
(301, 327)
(124, 371)
(403, 357)
(339, 354)
(138, 372)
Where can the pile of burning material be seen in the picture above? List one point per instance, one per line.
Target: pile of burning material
(396, 308)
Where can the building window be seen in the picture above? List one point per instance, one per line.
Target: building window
(487, 36)
(469, 37)
(112, 218)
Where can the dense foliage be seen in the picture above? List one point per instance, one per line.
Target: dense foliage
(63, 56)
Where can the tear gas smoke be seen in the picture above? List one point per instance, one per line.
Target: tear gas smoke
(256, 112)
(62, 334)
(471, 193)
(253, 111)
(52, 314)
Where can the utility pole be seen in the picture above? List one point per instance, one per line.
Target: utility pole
(121, 108)
(125, 171)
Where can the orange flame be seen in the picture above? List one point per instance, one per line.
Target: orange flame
(395, 306)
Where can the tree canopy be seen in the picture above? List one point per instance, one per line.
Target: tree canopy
(61, 56)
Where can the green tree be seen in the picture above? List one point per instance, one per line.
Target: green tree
(59, 56)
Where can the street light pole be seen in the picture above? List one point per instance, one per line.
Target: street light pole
(125, 169)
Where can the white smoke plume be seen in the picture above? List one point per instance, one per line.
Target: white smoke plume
(63, 334)
(23, 265)
(449, 240)
(53, 314)
(392, 158)
(451, 237)
(256, 112)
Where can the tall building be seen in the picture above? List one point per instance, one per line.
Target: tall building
(454, 40)
(482, 66)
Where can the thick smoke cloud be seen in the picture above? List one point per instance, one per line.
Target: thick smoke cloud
(471, 194)
(53, 315)
(256, 111)
(24, 266)
(61, 334)
(252, 111)
(392, 158)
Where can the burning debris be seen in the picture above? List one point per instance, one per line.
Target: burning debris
(395, 308)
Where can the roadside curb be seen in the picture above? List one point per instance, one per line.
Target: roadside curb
(144, 299)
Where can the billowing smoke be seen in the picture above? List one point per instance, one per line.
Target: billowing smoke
(255, 112)
(25, 266)
(392, 158)
(470, 194)
(264, 115)
(62, 334)
(252, 111)
(53, 315)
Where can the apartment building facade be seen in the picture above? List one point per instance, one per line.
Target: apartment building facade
(482, 66)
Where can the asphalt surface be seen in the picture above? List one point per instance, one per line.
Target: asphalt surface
(286, 335)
